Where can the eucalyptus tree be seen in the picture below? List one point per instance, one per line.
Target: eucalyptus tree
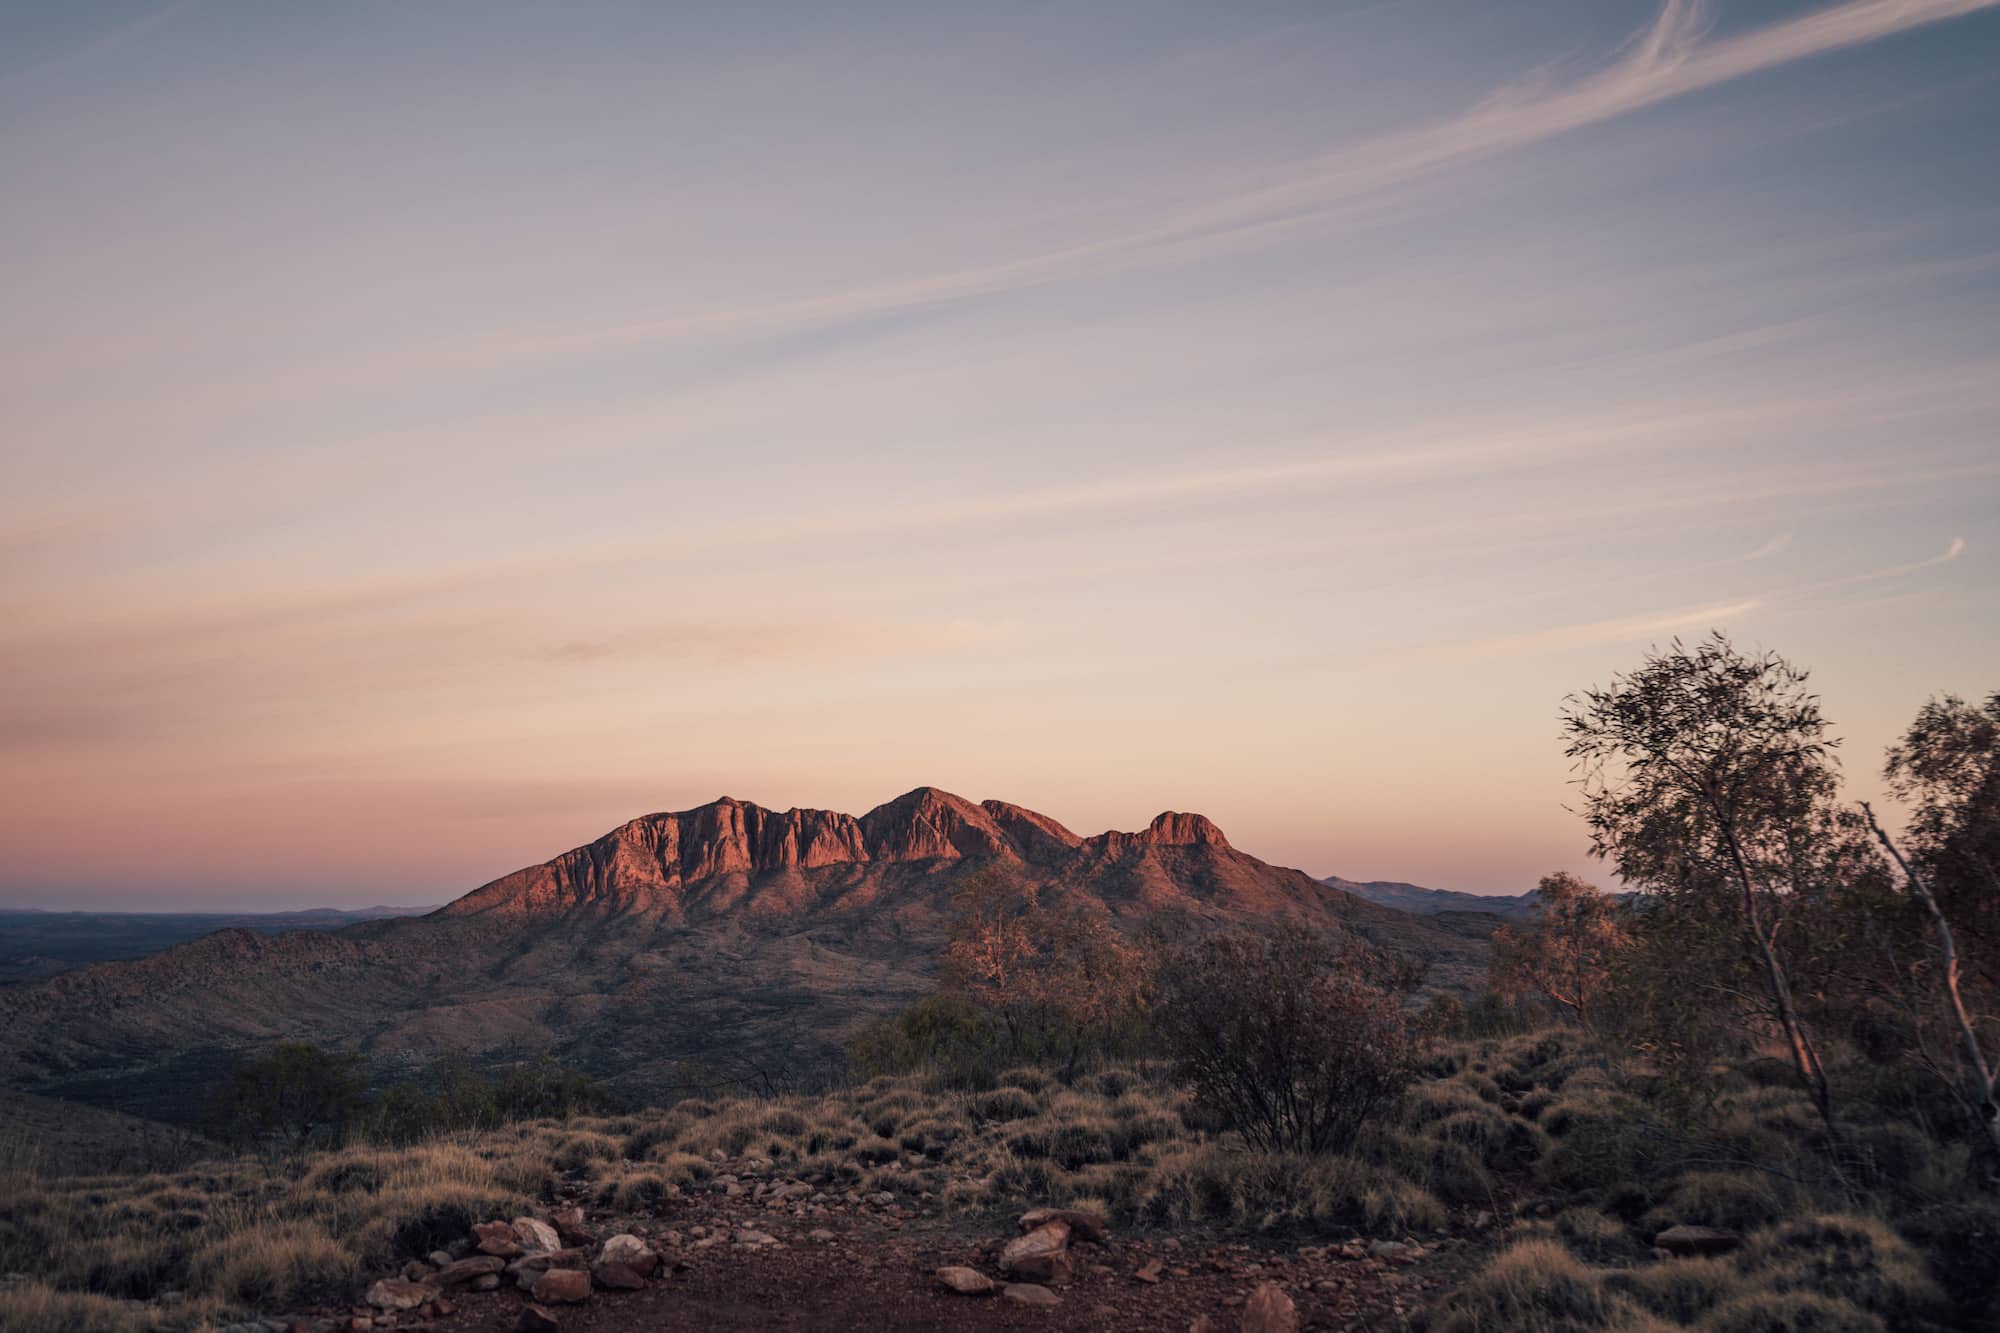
(1708, 772)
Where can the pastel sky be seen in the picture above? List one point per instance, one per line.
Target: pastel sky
(435, 433)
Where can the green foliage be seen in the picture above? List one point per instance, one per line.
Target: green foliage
(453, 1096)
(293, 1093)
(1294, 1040)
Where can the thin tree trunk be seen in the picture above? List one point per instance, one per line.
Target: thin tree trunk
(1982, 1073)
(1804, 1057)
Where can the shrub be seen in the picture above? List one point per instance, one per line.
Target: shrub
(1856, 1258)
(1005, 1103)
(287, 1264)
(1682, 1290)
(33, 1307)
(1295, 1040)
(1281, 1192)
(1595, 1236)
(294, 1091)
(433, 1224)
(1789, 1312)
(1733, 1200)
(1962, 1241)
(1535, 1286)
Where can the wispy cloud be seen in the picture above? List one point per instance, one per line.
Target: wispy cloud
(1670, 59)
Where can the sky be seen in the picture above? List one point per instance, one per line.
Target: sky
(431, 435)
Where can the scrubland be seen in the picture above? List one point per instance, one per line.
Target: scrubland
(1537, 1143)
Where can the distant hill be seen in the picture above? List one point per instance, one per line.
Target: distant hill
(35, 945)
(734, 936)
(1420, 901)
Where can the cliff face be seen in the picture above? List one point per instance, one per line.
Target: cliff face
(672, 862)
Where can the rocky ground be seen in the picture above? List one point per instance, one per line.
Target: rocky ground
(756, 1248)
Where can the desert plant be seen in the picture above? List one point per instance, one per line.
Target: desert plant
(1295, 1040)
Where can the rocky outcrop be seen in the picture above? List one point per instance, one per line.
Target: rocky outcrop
(664, 861)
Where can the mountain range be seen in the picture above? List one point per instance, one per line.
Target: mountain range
(1420, 901)
(729, 936)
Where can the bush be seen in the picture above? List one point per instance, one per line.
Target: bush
(1789, 1312)
(1534, 1287)
(291, 1264)
(1962, 1241)
(1732, 1200)
(1855, 1258)
(1005, 1103)
(35, 1308)
(294, 1092)
(1682, 1290)
(1295, 1040)
(1279, 1192)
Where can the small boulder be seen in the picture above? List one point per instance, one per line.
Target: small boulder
(534, 1319)
(394, 1293)
(562, 1286)
(967, 1281)
(535, 1236)
(568, 1223)
(460, 1271)
(1388, 1249)
(617, 1277)
(1028, 1293)
(496, 1238)
(1684, 1241)
(1040, 1256)
(1086, 1227)
(1269, 1310)
(630, 1251)
(490, 1282)
(1149, 1271)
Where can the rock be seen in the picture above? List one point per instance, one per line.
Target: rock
(755, 1239)
(496, 1238)
(631, 1252)
(460, 1271)
(1269, 1310)
(820, 1235)
(491, 1282)
(394, 1293)
(967, 1281)
(536, 1237)
(617, 1277)
(416, 1270)
(568, 1223)
(1086, 1227)
(439, 1258)
(1685, 1240)
(562, 1286)
(1388, 1249)
(1149, 1271)
(1205, 1324)
(1040, 1256)
(1027, 1293)
(534, 1319)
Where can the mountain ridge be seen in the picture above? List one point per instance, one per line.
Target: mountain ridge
(729, 932)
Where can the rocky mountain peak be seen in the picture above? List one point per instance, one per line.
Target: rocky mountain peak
(654, 861)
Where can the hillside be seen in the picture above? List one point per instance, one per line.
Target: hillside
(729, 936)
